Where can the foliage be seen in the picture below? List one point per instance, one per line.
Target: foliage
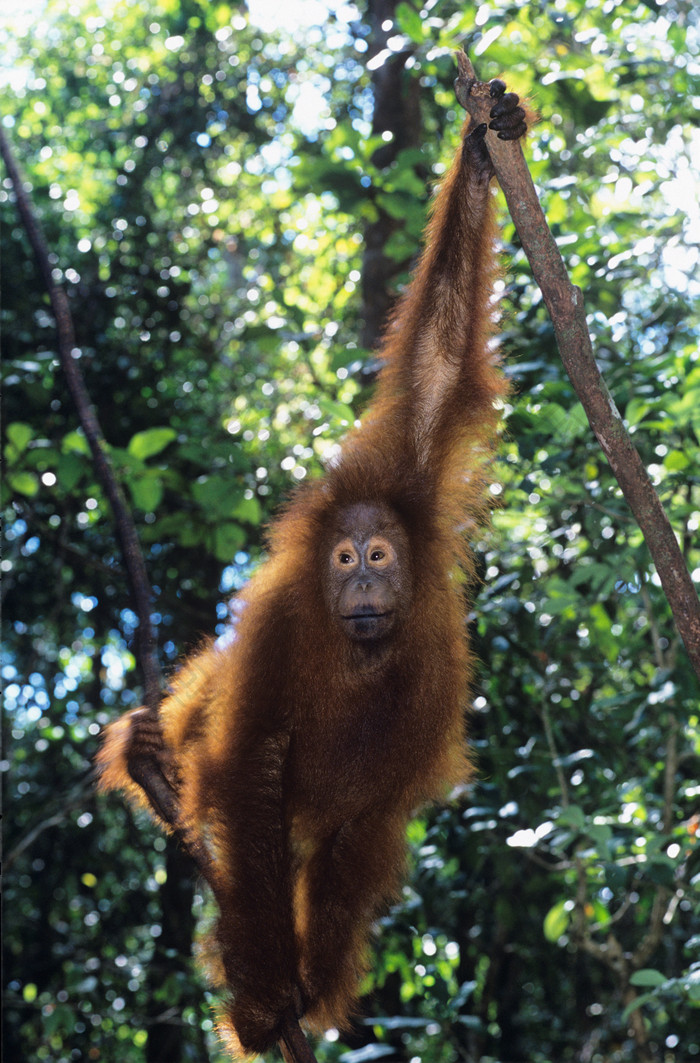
(204, 184)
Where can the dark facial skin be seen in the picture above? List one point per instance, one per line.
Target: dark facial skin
(368, 585)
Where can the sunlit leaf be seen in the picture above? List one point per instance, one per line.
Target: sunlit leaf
(146, 492)
(146, 444)
(19, 434)
(75, 441)
(248, 509)
(25, 483)
(337, 410)
(557, 921)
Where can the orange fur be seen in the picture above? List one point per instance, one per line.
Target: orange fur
(297, 754)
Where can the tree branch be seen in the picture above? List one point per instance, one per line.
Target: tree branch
(293, 1044)
(69, 353)
(566, 308)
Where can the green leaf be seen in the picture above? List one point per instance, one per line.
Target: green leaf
(76, 442)
(397, 206)
(189, 534)
(676, 461)
(218, 496)
(228, 540)
(601, 835)
(19, 434)
(556, 921)
(248, 510)
(146, 492)
(636, 410)
(648, 977)
(601, 914)
(615, 876)
(60, 1018)
(568, 423)
(25, 483)
(70, 468)
(399, 246)
(145, 444)
(661, 873)
(573, 816)
(339, 411)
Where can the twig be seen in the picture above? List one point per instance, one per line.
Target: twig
(565, 304)
(66, 804)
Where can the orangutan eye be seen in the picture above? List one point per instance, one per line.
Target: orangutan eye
(344, 554)
(380, 552)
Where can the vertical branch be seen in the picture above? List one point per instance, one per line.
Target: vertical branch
(565, 304)
(69, 354)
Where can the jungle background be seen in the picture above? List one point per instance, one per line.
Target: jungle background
(232, 196)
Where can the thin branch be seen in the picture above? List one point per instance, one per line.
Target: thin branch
(293, 1044)
(69, 355)
(68, 804)
(565, 304)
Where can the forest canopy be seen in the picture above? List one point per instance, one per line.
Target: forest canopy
(232, 195)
